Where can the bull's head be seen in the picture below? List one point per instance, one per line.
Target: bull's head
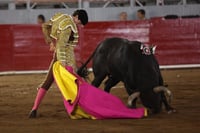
(152, 99)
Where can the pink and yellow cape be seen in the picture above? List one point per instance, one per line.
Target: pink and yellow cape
(83, 100)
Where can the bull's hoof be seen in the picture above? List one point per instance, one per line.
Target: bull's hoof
(33, 114)
(172, 110)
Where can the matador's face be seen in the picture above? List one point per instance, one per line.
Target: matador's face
(76, 20)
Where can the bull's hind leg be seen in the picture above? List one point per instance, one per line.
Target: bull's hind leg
(168, 108)
(110, 83)
(98, 79)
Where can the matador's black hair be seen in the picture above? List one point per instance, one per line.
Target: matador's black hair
(82, 16)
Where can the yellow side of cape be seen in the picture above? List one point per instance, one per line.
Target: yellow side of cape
(79, 113)
(66, 83)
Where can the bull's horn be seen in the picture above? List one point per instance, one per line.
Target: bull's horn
(154, 49)
(162, 88)
(132, 97)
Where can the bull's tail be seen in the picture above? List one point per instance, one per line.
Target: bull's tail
(82, 71)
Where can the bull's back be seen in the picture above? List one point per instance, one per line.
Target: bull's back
(107, 55)
(107, 48)
(115, 56)
(125, 61)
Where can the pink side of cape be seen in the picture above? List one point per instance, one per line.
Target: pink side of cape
(100, 104)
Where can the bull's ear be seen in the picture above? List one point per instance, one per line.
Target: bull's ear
(154, 49)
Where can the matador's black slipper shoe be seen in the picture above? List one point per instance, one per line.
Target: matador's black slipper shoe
(33, 114)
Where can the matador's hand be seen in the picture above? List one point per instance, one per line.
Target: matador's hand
(52, 47)
(63, 63)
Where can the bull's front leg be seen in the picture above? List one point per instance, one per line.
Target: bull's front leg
(110, 83)
(98, 79)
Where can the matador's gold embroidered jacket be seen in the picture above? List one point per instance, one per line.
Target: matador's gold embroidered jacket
(60, 27)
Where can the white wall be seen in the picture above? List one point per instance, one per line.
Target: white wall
(96, 14)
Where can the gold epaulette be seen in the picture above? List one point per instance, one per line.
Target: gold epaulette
(66, 23)
(56, 17)
(62, 22)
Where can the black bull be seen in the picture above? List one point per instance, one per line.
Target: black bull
(135, 65)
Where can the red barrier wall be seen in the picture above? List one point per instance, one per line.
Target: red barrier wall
(6, 48)
(22, 47)
(178, 40)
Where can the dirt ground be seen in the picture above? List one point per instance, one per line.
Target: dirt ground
(17, 93)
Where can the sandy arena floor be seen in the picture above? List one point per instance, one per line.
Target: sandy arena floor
(17, 93)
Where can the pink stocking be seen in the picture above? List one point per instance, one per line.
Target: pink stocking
(41, 93)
